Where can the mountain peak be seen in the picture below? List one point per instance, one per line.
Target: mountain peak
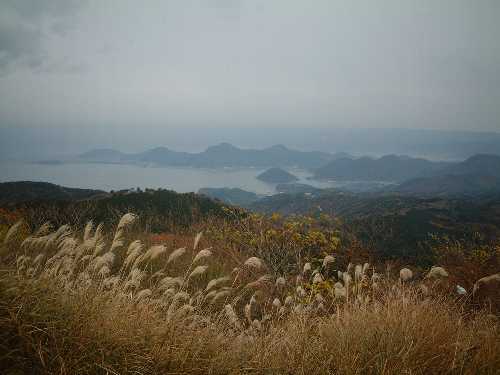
(224, 147)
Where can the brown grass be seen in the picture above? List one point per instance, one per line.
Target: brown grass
(65, 317)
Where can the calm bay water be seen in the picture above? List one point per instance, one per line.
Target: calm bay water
(119, 176)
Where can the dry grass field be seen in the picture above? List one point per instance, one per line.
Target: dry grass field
(107, 303)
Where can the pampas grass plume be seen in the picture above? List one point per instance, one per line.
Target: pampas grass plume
(176, 254)
(436, 272)
(231, 316)
(328, 260)
(197, 240)
(202, 254)
(13, 231)
(214, 283)
(87, 232)
(405, 274)
(277, 303)
(280, 282)
(255, 263)
(200, 270)
(365, 268)
(358, 271)
(307, 268)
(346, 278)
(126, 220)
(318, 278)
(155, 252)
(300, 291)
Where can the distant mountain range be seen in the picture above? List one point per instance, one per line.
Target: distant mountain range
(474, 177)
(387, 168)
(221, 155)
(480, 164)
(403, 168)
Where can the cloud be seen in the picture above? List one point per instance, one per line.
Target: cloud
(286, 63)
(25, 24)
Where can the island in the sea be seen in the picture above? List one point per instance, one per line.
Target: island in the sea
(277, 176)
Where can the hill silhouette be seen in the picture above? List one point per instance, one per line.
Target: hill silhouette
(276, 176)
(221, 155)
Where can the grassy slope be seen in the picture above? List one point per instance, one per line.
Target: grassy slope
(46, 331)
(68, 314)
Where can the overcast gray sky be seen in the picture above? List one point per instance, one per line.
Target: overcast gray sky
(112, 66)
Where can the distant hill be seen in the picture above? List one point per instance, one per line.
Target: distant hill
(397, 226)
(26, 191)
(478, 175)
(387, 168)
(451, 185)
(221, 155)
(159, 210)
(481, 164)
(233, 196)
(276, 176)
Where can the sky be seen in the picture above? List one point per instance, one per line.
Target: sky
(186, 73)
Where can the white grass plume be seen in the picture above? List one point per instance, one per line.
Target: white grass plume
(119, 240)
(280, 283)
(405, 274)
(170, 282)
(99, 242)
(143, 294)
(366, 266)
(87, 232)
(155, 252)
(277, 303)
(176, 254)
(339, 290)
(134, 250)
(346, 277)
(288, 301)
(300, 291)
(328, 260)
(44, 229)
(254, 263)
(104, 272)
(436, 273)
(197, 240)
(221, 295)
(318, 278)
(231, 316)
(177, 300)
(14, 231)
(215, 283)
(126, 220)
(202, 254)
(264, 281)
(199, 270)
(358, 272)
(307, 268)
(184, 312)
